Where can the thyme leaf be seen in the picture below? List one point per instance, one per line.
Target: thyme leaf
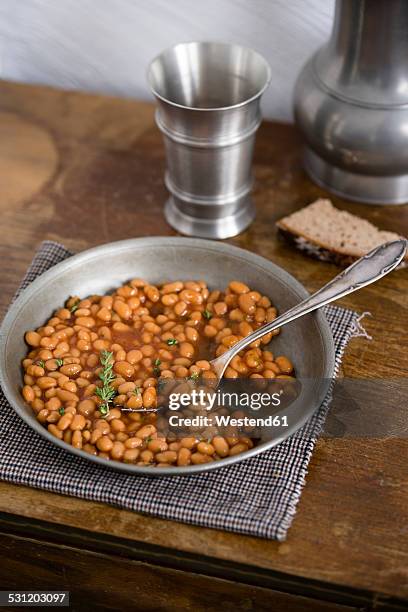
(194, 376)
(156, 369)
(74, 306)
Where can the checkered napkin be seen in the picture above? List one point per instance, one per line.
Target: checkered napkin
(257, 496)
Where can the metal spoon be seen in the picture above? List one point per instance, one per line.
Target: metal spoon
(366, 270)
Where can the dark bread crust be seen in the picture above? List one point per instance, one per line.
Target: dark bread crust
(316, 251)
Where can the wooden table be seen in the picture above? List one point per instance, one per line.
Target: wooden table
(83, 170)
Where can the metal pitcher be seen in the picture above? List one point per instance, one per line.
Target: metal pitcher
(351, 103)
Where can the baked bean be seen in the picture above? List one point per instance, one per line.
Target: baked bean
(28, 393)
(146, 431)
(54, 403)
(70, 369)
(45, 382)
(78, 422)
(42, 415)
(253, 360)
(134, 402)
(117, 425)
(65, 421)
(205, 448)
(133, 443)
(53, 416)
(284, 364)
(180, 371)
(238, 365)
(67, 396)
(247, 303)
(61, 350)
(146, 456)
(35, 370)
(186, 350)
(104, 314)
(220, 445)
(210, 331)
(189, 442)
(157, 445)
(189, 296)
(266, 373)
(183, 457)
(229, 340)
(124, 368)
(122, 309)
(118, 450)
(266, 338)
(271, 314)
(149, 397)
(236, 315)
(192, 334)
(67, 436)
(180, 309)
(126, 387)
(197, 458)
(85, 321)
(37, 404)
(237, 287)
(44, 355)
(238, 448)
(32, 338)
(172, 287)
(76, 439)
(86, 407)
(55, 431)
(134, 356)
(104, 443)
(203, 364)
(166, 456)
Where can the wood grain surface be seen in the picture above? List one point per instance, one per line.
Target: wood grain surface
(85, 170)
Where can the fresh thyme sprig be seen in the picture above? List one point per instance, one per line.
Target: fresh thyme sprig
(207, 314)
(172, 341)
(41, 363)
(106, 393)
(60, 362)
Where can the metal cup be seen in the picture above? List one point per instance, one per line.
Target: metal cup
(208, 111)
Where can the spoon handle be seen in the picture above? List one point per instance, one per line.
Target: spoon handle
(366, 270)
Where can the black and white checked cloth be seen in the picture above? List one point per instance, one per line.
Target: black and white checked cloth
(257, 496)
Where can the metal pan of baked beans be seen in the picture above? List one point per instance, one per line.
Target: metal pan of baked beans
(86, 344)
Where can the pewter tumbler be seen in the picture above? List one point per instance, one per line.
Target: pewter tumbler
(208, 98)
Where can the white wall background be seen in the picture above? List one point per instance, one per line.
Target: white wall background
(105, 45)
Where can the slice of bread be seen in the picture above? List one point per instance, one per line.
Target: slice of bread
(330, 234)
